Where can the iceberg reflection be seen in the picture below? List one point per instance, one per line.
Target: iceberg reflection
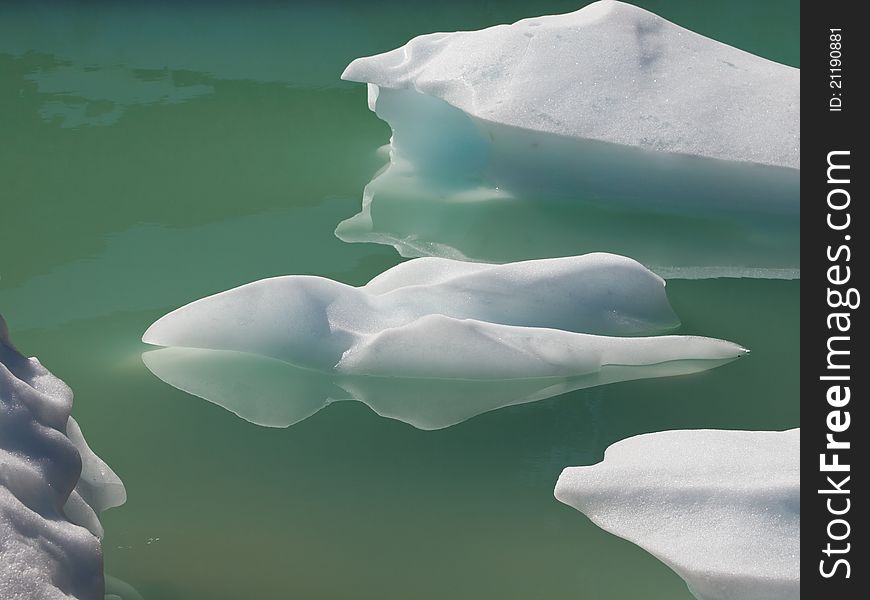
(273, 393)
(488, 219)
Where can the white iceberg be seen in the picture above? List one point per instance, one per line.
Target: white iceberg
(272, 393)
(438, 318)
(721, 508)
(52, 487)
(610, 109)
(610, 72)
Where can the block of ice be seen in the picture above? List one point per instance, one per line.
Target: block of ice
(610, 72)
(52, 487)
(608, 119)
(439, 318)
(721, 508)
(273, 393)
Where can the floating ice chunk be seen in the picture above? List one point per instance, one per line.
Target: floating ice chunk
(721, 508)
(46, 508)
(604, 129)
(610, 72)
(273, 393)
(438, 318)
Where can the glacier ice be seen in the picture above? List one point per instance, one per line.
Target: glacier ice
(610, 72)
(439, 318)
(273, 393)
(606, 119)
(52, 487)
(721, 508)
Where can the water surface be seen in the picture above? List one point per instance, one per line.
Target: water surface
(154, 154)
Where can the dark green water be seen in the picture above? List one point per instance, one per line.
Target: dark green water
(152, 155)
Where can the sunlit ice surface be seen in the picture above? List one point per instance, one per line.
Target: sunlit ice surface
(110, 222)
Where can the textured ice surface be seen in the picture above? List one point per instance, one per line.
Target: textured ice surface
(52, 486)
(273, 393)
(439, 318)
(721, 508)
(610, 72)
(608, 120)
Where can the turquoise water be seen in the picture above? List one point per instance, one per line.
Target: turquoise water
(156, 154)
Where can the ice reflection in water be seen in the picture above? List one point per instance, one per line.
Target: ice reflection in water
(273, 393)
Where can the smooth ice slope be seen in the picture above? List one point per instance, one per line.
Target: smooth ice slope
(439, 318)
(721, 508)
(607, 129)
(610, 72)
(273, 393)
(52, 487)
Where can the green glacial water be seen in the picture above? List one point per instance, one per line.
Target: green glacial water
(152, 154)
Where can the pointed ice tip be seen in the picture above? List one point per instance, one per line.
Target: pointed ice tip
(347, 75)
(150, 336)
(366, 68)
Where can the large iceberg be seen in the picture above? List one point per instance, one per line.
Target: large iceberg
(434, 318)
(721, 508)
(610, 72)
(273, 393)
(52, 487)
(611, 109)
